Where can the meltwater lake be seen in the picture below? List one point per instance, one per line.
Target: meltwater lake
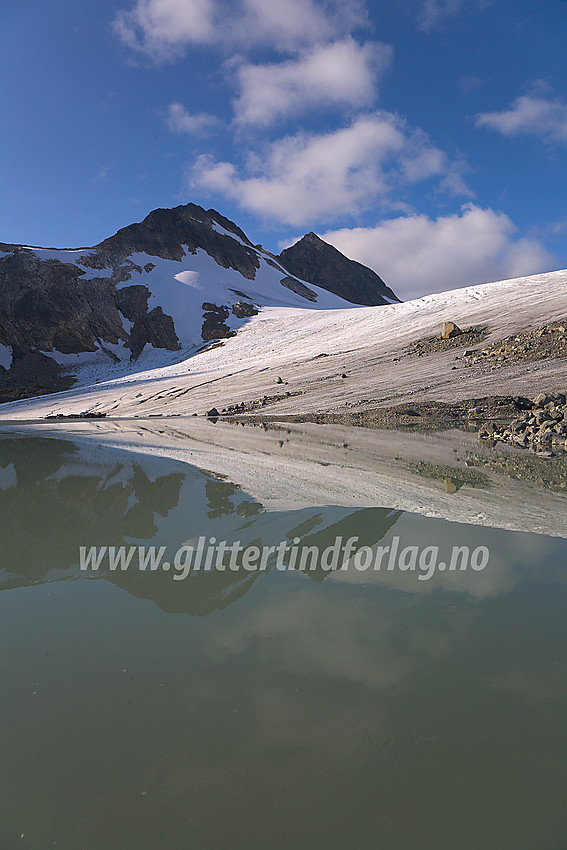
(334, 705)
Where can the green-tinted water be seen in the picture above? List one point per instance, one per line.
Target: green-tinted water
(274, 709)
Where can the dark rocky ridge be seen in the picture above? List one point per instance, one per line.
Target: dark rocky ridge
(321, 264)
(164, 232)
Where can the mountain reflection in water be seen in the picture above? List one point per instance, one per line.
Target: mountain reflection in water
(317, 710)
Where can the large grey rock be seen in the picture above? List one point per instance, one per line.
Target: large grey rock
(449, 330)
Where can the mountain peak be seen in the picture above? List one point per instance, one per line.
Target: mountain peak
(314, 260)
(166, 232)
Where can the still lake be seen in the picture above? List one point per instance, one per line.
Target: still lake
(273, 708)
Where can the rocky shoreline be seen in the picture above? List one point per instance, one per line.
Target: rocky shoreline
(542, 426)
(421, 416)
(539, 424)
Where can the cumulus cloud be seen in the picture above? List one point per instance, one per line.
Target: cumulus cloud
(179, 120)
(529, 115)
(163, 29)
(311, 177)
(341, 74)
(417, 255)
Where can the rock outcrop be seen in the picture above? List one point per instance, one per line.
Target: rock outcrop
(299, 288)
(132, 301)
(214, 322)
(32, 374)
(155, 328)
(319, 263)
(242, 310)
(46, 304)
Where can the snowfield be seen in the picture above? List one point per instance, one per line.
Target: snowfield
(310, 347)
(180, 288)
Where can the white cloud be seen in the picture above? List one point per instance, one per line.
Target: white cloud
(162, 29)
(290, 24)
(416, 255)
(317, 177)
(342, 73)
(179, 120)
(435, 11)
(529, 115)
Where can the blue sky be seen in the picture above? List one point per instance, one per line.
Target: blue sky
(425, 138)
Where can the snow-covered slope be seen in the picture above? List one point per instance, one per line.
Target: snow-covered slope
(163, 288)
(180, 288)
(333, 360)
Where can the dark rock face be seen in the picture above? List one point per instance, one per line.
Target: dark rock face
(163, 233)
(315, 261)
(132, 301)
(242, 310)
(45, 304)
(157, 328)
(32, 373)
(214, 326)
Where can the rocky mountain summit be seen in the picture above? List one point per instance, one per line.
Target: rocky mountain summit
(314, 260)
(180, 278)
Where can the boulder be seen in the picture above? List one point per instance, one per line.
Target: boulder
(450, 330)
(544, 399)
